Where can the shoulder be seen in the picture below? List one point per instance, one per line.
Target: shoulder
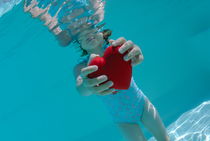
(83, 59)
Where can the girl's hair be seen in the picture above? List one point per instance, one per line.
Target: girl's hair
(106, 34)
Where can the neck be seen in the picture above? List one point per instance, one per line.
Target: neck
(99, 50)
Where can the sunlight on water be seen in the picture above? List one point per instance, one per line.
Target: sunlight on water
(193, 125)
(64, 18)
(7, 5)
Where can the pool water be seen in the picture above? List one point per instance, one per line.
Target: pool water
(38, 99)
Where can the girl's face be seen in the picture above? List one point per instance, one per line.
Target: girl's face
(89, 39)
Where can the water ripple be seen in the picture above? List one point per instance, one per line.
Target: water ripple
(7, 5)
(193, 125)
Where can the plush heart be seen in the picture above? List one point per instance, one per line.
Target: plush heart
(114, 66)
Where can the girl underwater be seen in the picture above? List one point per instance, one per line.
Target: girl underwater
(127, 107)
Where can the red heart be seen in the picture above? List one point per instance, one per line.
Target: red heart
(114, 66)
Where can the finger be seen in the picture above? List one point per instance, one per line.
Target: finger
(134, 52)
(137, 60)
(104, 86)
(111, 41)
(119, 41)
(107, 92)
(96, 81)
(87, 70)
(127, 45)
(91, 57)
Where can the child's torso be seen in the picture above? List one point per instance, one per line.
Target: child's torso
(125, 105)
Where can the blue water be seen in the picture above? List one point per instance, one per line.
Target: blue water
(38, 99)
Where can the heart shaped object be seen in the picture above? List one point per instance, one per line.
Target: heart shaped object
(114, 66)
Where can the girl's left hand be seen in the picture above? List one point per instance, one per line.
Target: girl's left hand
(134, 51)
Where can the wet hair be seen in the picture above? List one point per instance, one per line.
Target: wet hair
(106, 34)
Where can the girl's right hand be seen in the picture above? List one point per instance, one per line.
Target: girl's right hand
(92, 84)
